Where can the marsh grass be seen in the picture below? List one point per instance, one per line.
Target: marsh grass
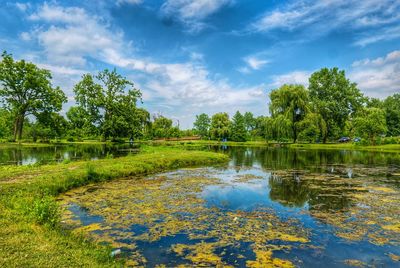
(30, 216)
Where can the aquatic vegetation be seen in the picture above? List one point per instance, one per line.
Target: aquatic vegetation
(170, 204)
(150, 211)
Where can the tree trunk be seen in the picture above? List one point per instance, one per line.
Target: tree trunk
(16, 124)
(21, 125)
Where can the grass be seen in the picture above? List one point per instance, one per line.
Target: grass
(30, 232)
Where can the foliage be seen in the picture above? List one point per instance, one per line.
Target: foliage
(220, 125)
(26, 90)
(6, 119)
(370, 123)
(312, 128)
(238, 128)
(106, 105)
(290, 102)
(392, 108)
(202, 125)
(335, 98)
(45, 211)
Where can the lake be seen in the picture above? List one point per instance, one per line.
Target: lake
(269, 207)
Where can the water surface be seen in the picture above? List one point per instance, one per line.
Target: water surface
(267, 207)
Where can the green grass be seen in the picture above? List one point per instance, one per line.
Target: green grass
(30, 232)
(349, 146)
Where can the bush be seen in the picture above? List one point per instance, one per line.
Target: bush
(70, 139)
(46, 211)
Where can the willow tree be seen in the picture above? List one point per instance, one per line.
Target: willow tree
(26, 90)
(220, 126)
(291, 102)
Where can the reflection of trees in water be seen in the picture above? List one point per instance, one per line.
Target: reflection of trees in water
(30, 155)
(292, 192)
(271, 158)
(295, 190)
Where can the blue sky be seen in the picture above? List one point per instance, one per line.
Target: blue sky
(189, 57)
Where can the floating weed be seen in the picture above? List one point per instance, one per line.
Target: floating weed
(171, 204)
(355, 263)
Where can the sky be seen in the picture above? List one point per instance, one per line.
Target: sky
(189, 57)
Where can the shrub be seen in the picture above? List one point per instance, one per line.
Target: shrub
(46, 211)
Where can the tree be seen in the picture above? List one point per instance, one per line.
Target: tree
(162, 127)
(370, 122)
(238, 128)
(392, 108)
(5, 123)
(249, 121)
(26, 90)
(290, 101)
(335, 99)
(219, 126)
(312, 127)
(109, 100)
(202, 125)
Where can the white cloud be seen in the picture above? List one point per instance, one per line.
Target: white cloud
(295, 77)
(129, 2)
(378, 77)
(192, 13)
(320, 17)
(255, 63)
(25, 36)
(73, 35)
(22, 6)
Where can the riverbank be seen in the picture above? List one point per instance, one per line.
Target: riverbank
(30, 233)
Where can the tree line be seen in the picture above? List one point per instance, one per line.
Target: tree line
(107, 107)
(331, 107)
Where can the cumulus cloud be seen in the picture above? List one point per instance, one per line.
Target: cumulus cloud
(295, 77)
(73, 34)
(378, 77)
(192, 13)
(321, 17)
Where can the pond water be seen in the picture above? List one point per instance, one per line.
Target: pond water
(269, 207)
(26, 155)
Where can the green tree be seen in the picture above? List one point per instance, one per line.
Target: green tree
(370, 122)
(249, 121)
(26, 90)
(335, 98)
(109, 100)
(162, 127)
(219, 126)
(392, 108)
(312, 127)
(202, 125)
(6, 125)
(238, 128)
(291, 102)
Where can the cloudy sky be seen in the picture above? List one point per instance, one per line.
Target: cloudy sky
(193, 56)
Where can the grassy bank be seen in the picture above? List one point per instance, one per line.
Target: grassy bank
(349, 146)
(30, 235)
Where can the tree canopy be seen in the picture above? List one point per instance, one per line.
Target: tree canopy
(25, 89)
